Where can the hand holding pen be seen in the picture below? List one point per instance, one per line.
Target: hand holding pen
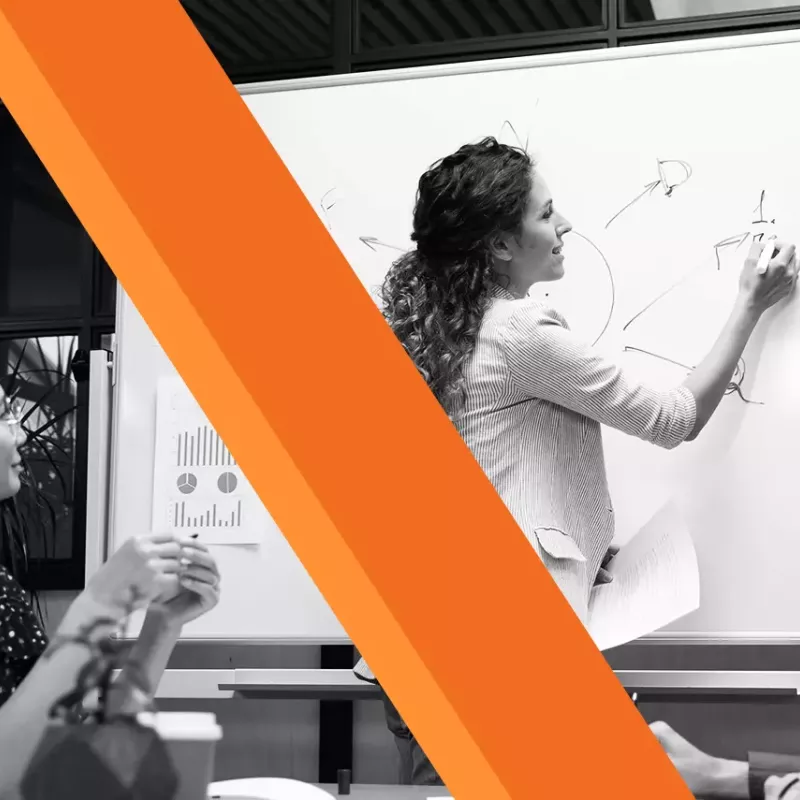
(769, 274)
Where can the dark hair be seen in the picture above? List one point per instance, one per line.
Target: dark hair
(435, 296)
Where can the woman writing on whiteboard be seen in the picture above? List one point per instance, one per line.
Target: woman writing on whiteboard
(178, 578)
(526, 394)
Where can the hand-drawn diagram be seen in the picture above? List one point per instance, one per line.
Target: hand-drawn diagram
(760, 210)
(734, 387)
(738, 240)
(612, 285)
(668, 184)
(374, 244)
(662, 181)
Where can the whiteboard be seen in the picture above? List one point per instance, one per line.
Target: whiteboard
(665, 158)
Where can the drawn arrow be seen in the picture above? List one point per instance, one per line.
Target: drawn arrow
(662, 181)
(649, 189)
(322, 201)
(741, 238)
(374, 244)
(737, 240)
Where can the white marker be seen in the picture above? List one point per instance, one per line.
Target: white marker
(766, 255)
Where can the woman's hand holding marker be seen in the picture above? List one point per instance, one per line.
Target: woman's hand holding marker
(769, 274)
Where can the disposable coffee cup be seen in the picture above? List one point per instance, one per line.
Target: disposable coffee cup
(191, 739)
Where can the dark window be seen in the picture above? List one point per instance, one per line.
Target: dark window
(386, 24)
(105, 294)
(55, 294)
(37, 372)
(265, 40)
(43, 247)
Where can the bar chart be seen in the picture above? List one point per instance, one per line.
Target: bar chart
(202, 447)
(185, 514)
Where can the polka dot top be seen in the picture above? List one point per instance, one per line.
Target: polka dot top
(22, 640)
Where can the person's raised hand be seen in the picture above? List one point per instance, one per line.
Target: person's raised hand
(762, 291)
(142, 569)
(197, 590)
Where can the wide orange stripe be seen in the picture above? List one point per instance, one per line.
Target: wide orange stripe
(245, 248)
(288, 488)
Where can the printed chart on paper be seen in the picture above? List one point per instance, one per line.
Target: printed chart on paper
(198, 486)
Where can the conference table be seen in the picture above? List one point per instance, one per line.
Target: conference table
(360, 791)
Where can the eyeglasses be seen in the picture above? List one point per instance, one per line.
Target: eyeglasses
(11, 412)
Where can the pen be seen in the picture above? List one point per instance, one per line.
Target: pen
(766, 255)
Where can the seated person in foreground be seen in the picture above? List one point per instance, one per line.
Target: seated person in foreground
(176, 579)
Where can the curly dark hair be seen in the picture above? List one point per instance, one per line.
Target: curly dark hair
(434, 297)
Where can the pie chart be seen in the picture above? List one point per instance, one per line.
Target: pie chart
(227, 482)
(187, 483)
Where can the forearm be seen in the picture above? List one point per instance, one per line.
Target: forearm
(729, 780)
(711, 378)
(151, 653)
(25, 715)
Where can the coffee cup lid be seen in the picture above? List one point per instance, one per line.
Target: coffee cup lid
(183, 725)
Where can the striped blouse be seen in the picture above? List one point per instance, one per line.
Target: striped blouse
(536, 397)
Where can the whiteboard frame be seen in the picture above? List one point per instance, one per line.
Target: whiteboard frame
(525, 62)
(726, 639)
(709, 44)
(99, 461)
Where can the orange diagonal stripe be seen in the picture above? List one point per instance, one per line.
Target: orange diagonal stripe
(293, 364)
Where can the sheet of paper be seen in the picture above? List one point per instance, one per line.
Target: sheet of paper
(197, 485)
(656, 581)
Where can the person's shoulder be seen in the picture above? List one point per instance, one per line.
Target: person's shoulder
(22, 638)
(17, 617)
(528, 317)
(9, 585)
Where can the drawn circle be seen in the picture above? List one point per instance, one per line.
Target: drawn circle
(737, 382)
(586, 293)
(187, 483)
(227, 482)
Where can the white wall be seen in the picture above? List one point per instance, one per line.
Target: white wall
(54, 606)
(676, 9)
